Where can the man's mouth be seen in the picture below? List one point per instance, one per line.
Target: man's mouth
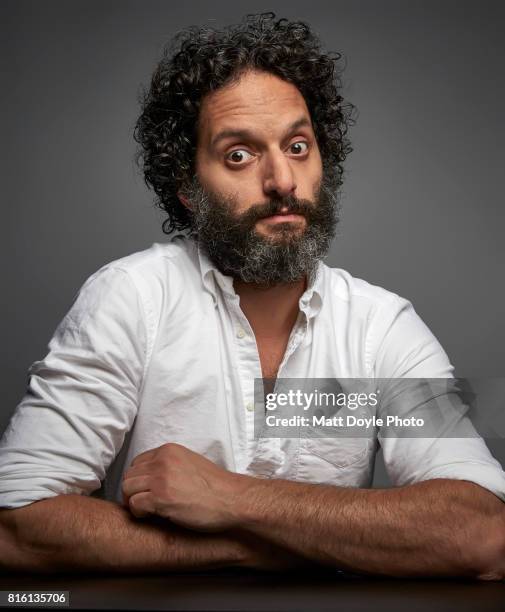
(284, 218)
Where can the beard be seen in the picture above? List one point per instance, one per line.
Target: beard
(286, 255)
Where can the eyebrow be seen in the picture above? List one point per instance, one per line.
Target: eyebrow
(247, 134)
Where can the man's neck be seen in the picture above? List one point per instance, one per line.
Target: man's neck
(271, 311)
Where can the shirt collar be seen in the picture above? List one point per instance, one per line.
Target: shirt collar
(310, 302)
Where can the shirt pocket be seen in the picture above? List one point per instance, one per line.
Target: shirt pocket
(340, 461)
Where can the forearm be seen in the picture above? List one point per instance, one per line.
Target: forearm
(79, 533)
(431, 528)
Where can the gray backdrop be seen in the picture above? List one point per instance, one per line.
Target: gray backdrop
(423, 213)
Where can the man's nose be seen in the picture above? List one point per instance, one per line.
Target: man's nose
(279, 179)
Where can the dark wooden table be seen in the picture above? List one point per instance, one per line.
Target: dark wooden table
(241, 590)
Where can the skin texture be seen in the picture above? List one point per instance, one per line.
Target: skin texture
(271, 164)
(75, 533)
(440, 527)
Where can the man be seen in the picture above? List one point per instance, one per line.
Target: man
(243, 136)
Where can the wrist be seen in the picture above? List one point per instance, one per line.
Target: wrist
(244, 504)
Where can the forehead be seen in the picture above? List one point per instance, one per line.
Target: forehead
(259, 101)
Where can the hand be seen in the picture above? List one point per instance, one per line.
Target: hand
(178, 484)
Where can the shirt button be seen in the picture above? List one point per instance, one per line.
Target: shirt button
(240, 333)
(249, 406)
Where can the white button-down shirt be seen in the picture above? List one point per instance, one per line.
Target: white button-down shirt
(156, 349)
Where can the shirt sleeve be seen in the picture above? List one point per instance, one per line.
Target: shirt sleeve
(408, 349)
(81, 398)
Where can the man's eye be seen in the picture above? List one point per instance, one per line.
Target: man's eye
(237, 156)
(299, 147)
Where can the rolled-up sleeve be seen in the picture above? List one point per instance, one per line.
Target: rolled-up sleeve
(81, 398)
(409, 349)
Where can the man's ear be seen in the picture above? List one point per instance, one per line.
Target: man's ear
(184, 200)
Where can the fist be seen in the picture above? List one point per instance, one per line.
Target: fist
(176, 483)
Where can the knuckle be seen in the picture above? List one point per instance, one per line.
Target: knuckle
(170, 452)
(173, 447)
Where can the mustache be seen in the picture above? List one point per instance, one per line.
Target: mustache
(292, 205)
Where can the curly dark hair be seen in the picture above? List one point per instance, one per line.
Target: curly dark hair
(200, 60)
